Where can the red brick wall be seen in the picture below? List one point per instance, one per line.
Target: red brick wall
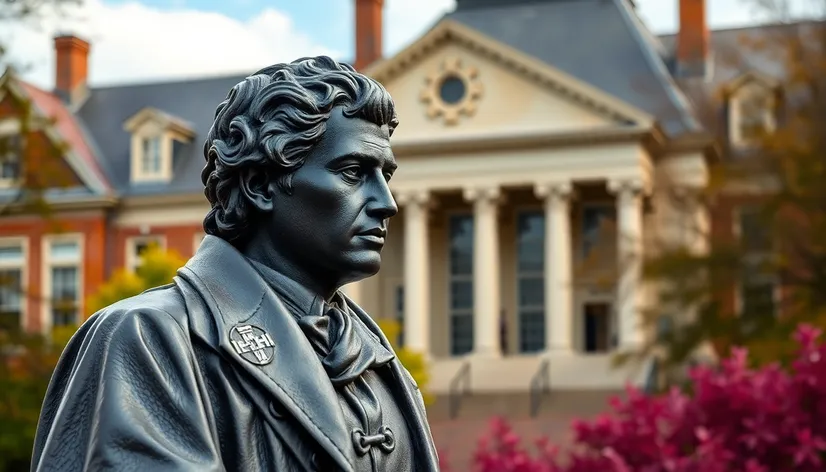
(179, 238)
(34, 229)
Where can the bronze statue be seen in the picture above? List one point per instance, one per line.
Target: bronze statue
(253, 360)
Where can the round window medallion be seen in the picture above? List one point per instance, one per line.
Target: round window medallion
(451, 91)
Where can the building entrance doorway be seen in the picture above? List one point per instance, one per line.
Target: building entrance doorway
(597, 327)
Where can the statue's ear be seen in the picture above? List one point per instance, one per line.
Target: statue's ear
(258, 189)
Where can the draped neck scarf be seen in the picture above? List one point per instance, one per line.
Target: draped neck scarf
(345, 346)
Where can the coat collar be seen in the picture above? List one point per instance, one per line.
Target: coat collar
(236, 294)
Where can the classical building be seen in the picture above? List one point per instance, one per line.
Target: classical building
(534, 155)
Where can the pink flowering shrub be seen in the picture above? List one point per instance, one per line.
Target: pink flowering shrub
(735, 419)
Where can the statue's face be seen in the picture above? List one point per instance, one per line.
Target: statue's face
(335, 222)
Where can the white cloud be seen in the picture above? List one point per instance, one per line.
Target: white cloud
(407, 20)
(132, 42)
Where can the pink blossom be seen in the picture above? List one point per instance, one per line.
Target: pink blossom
(735, 419)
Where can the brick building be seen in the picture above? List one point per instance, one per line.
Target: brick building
(522, 134)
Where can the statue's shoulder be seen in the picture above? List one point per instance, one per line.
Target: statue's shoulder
(159, 309)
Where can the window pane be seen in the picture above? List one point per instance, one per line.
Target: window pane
(461, 245)
(67, 250)
(531, 281)
(531, 241)
(11, 254)
(531, 292)
(461, 283)
(597, 227)
(64, 295)
(11, 299)
(10, 151)
(461, 334)
(754, 231)
(531, 330)
(461, 294)
(151, 161)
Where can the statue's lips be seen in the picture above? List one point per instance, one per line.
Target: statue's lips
(371, 238)
(374, 236)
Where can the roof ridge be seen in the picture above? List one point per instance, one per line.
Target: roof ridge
(170, 81)
(658, 67)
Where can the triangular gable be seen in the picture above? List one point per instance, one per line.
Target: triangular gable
(751, 77)
(60, 127)
(537, 71)
(161, 119)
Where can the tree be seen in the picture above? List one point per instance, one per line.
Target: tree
(776, 185)
(27, 360)
(734, 419)
(414, 362)
(158, 267)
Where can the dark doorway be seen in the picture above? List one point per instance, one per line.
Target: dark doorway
(597, 327)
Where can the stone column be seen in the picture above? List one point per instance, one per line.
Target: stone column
(416, 270)
(354, 291)
(559, 307)
(630, 291)
(486, 297)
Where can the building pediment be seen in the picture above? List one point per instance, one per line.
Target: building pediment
(456, 82)
(158, 120)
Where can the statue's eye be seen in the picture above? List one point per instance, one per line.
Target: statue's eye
(353, 173)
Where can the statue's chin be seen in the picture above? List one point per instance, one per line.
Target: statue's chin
(363, 266)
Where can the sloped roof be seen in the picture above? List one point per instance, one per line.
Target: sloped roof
(728, 46)
(81, 153)
(600, 42)
(193, 101)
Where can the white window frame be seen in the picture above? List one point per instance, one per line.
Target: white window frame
(735, 117)
(23, 266)
(132, 260)
(48, 264)
(739, 302)
(164, 173)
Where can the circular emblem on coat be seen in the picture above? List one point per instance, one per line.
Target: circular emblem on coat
(252, 343)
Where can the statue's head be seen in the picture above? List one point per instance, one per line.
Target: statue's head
(299, 156)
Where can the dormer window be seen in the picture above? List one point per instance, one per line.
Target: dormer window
(154, 138)
(752, 105)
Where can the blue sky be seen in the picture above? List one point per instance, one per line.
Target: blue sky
(147, 40)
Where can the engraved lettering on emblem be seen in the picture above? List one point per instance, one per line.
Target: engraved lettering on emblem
(252, 343)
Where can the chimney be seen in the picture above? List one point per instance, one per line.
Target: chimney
(692, 39)
(71, 68)
(368, 32)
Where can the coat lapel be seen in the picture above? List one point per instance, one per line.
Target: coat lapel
(287, 367)
(410, 401)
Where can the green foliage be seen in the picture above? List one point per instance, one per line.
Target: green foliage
(414, 362)
(27, 360)
(785, 168)
(158, 267)
(26, 364)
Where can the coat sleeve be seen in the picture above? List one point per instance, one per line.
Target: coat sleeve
(125, 396)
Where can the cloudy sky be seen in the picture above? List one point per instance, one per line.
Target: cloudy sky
(160, 39)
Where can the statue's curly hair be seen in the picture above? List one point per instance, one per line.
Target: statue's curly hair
(267, 124)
